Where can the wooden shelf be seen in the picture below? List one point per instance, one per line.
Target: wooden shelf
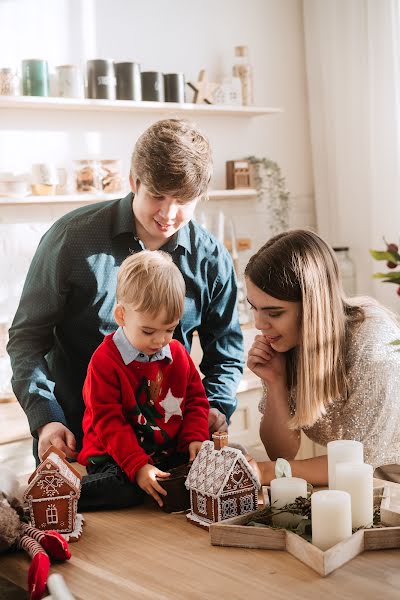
(242, 194)
(50, 103)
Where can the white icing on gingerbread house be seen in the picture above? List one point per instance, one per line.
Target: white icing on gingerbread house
(52, 493)
(222, 484)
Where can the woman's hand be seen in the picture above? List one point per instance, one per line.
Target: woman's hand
(265, 362)
(146, 479)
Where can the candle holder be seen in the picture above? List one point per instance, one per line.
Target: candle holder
(236, 532)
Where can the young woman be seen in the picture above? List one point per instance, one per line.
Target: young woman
(325, 361)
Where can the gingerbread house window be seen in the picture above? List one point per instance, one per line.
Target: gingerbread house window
(228, 508)
(202, 504)
(51, 514)
(246, 504)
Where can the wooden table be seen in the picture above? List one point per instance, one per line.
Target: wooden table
(145, 553)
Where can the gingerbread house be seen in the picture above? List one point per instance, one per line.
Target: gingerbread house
(52, 493)
(221, 482)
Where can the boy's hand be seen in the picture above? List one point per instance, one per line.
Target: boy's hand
(146, 479)
(56, 434)
(194, 449)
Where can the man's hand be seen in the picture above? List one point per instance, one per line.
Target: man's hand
(146, 479)
(56, 434)
(216, 421)
(194, 449)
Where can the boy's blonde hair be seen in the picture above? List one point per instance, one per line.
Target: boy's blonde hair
(172, 157)
(299, 266)
(149, 281)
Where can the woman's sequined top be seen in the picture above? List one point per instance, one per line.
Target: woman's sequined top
(371, 413)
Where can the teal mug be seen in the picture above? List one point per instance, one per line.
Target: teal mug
(35, 77)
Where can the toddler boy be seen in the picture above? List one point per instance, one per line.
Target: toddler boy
(146, 408)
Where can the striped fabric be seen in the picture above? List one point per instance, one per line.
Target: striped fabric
(31, 546)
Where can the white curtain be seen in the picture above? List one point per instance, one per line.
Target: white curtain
(353, 70)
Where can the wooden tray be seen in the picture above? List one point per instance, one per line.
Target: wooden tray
(231, 532)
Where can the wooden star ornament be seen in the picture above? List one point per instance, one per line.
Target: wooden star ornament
(234, 532)
(203, 89)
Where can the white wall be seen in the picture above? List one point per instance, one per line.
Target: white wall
(178, 35)
(171, 36)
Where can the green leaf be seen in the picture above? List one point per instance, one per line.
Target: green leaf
(391, 276)
(385, 255)
(395, 281)
(304, 529)
(395, 343)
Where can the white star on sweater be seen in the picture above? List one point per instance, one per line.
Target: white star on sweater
(172, 406)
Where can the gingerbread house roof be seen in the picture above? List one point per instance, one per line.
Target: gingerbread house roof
(57, 458)
(212, 468)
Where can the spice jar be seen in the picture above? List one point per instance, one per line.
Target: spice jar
(244, 71)
(86, 176)
(110, 176)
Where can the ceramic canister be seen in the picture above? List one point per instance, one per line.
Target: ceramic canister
(129, 83)
(101, 81)
(174, 84)
(69, 81)
(35, 77)
(153, 86)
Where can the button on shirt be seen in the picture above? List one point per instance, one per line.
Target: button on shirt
(67, 303)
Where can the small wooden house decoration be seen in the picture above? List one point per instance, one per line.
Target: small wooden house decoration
(238, 174)
(52, 493)
(221, 482)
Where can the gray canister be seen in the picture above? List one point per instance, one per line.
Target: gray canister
(101, 81)
(174, 84)
(153, 86)
(129, 83)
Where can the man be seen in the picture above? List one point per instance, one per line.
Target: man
(67, 303)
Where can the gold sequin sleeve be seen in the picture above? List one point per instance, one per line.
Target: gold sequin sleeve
(371, 414)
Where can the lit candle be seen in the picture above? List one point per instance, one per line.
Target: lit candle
(285, 490)
(357, 480)
(342, 451)
(330, 518)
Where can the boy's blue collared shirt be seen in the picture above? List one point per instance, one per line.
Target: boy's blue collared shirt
(67, 305)
(129, 353)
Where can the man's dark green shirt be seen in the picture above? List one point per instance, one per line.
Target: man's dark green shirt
(67, 303)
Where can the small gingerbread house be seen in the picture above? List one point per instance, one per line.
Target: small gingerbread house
(52, 493)
(221, 482)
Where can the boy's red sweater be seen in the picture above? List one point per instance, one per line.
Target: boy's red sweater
(139, 411)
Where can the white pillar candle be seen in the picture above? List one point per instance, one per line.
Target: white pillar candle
(285, 490)
(330, 518)
(357, 480)
(342, 451)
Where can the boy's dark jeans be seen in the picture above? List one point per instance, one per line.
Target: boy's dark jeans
(107, 486)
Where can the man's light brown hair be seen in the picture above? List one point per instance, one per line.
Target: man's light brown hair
(172, 157)
(149, 282)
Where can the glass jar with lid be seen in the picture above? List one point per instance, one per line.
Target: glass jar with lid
(86, 175)
(347, 270)
(111, 180)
